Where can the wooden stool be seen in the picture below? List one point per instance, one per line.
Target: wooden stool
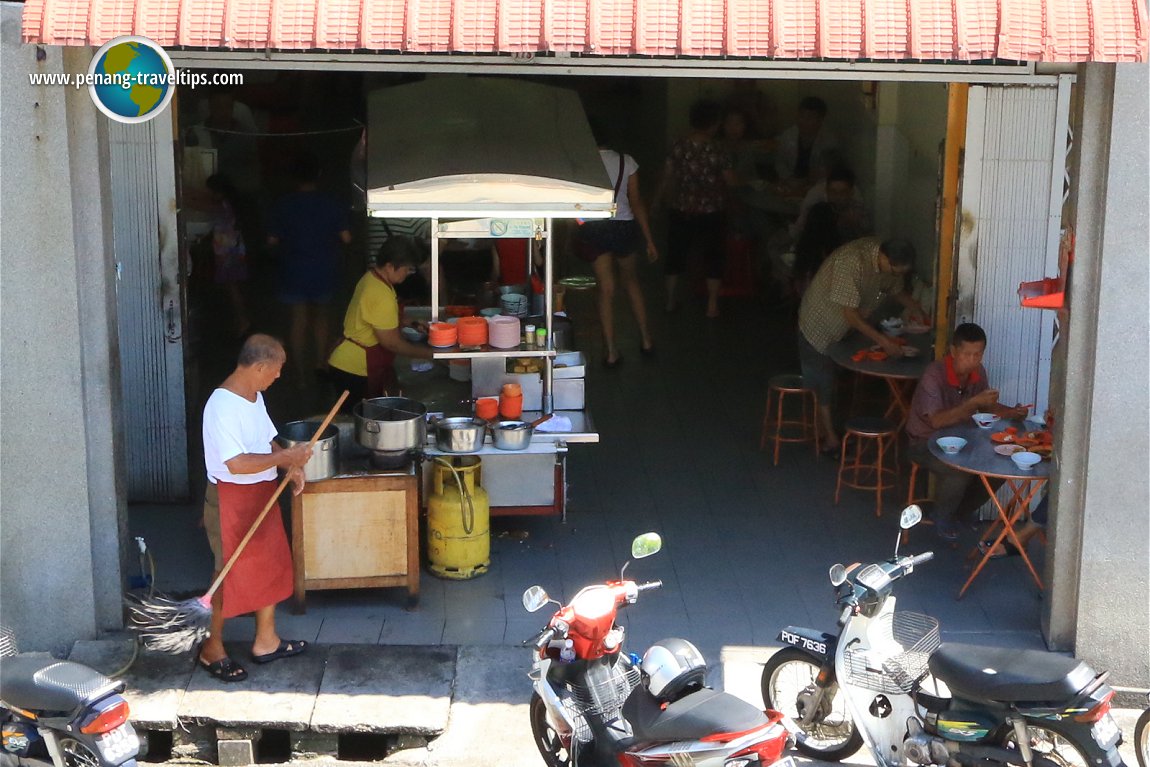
(884, 435)
(779, 387)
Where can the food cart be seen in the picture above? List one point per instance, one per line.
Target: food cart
(490, 158)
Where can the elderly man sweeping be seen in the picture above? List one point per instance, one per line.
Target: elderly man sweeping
(242, 461)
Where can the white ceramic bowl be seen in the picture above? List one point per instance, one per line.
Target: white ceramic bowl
(951, 445)
(985, 420)
(1025, 460)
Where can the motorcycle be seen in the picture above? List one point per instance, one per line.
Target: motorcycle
(59, 713)
(886, 680)
(594, 705)
(1142, 739)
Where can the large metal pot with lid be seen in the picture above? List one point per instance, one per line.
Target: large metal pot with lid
(390, 424)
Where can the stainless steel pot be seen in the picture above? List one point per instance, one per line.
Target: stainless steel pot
(390, 423)
(324, 461)
(459, 435)
(511, 435)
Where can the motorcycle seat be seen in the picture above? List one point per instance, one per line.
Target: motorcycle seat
(50, 685)
(693, 716)
(1008, 675)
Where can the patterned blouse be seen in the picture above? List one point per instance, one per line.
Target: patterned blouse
(697, 170)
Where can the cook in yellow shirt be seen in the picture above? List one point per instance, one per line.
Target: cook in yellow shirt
(373, 305)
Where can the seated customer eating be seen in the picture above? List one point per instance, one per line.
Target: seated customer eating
(950, 392)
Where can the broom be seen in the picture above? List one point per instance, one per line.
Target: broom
(176, 626)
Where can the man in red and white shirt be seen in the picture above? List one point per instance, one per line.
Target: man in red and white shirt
(950, 392)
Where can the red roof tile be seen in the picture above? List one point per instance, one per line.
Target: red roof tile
(884, 30)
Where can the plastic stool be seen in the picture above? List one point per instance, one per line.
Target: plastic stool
(884, 436)
(779, 387)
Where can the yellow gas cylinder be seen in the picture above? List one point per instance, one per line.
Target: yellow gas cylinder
(458, 527)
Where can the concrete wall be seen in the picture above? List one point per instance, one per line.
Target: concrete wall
(59, 514)
(911, 129)
(1099, 595)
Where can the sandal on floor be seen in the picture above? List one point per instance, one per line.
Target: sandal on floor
(286, 649)
(1008, 550)
(225, 669)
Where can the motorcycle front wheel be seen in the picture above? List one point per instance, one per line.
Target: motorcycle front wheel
(1051, 747)
(789, 686)
(1142, 739)
(547, 740)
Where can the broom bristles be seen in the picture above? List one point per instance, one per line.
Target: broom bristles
(169, 625)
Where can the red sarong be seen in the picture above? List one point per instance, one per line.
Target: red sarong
(262, 575)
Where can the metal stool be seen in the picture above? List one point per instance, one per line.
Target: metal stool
(779, 387)
(884, 435)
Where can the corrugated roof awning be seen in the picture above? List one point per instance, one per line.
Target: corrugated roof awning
(883, 30)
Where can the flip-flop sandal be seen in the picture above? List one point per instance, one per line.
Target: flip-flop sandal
(1008, 550)
(286, 649)
(225, 669)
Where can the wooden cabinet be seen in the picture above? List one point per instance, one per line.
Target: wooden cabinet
(356, 532)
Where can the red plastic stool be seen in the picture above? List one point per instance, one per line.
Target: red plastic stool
(883, 469)
(779, 387)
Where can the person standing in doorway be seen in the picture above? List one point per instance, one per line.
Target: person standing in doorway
(612, 242)
(853, 281)
(696, 180)
(306, 230)
(242, 460)
(364, 361)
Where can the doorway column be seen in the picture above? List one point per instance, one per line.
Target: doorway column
(1098, 564)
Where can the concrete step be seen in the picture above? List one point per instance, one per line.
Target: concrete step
(366, 700)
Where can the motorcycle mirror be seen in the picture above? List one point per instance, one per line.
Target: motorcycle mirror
(534, 598)
(911, 516)
(838, 575)
(645, 545)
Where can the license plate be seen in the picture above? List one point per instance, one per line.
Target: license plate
(119, 744)
(786, 761)
(1105, 732)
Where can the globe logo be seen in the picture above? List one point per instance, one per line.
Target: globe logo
(131, 79)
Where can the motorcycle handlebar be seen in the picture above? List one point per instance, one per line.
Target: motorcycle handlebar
(541, 639)
(649, 585)
(923, 558)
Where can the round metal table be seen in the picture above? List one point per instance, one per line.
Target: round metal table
(978, 457)
(900, 373)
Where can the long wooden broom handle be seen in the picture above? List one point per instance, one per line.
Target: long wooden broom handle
(271, 502)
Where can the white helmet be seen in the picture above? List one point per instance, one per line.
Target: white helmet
(672, 668)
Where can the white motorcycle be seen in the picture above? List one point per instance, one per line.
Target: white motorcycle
(886, 681)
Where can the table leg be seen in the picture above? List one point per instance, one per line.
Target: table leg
(900, 403)
(1021, 495)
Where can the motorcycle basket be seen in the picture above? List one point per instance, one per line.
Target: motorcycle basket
(600, 694)
(902, 644)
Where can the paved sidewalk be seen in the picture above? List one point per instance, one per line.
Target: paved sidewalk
(470, 701)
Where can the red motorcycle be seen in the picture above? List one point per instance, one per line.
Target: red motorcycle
(596, 706)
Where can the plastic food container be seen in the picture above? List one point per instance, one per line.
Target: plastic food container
(503, 332)
(472, 331)
(442, 334)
